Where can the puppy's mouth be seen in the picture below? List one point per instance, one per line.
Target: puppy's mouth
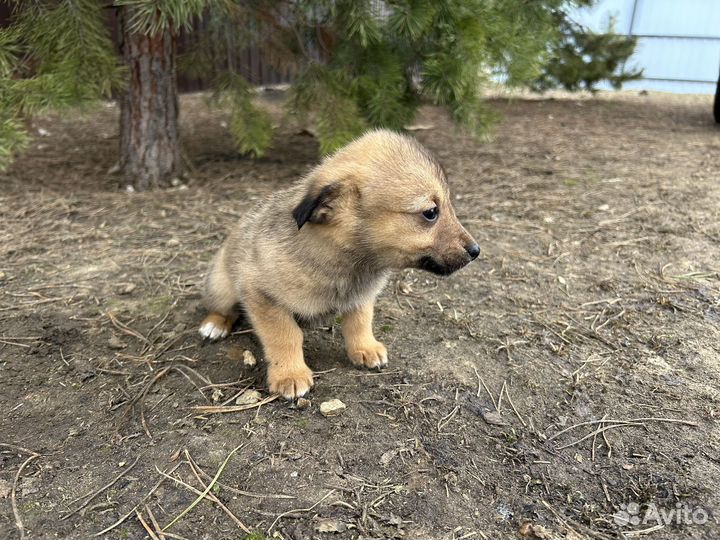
(431, 265)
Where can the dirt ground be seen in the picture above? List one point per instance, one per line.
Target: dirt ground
(565, 381)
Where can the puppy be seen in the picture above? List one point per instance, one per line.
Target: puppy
(327, 245)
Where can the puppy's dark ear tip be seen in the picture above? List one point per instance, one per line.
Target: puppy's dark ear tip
(308, 208)
(304, 210)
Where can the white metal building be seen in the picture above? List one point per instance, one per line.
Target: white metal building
(678, 45)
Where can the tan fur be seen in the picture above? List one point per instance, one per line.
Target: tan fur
(363, 207)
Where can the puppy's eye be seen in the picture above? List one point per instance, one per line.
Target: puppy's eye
(431, 214)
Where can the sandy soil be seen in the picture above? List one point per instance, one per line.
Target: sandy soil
(566, 380)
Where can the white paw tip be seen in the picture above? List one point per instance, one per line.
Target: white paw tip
(210, 331)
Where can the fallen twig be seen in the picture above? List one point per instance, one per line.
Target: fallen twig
(297, 510)
(145, 498)
(512, 406)
(13, 495)
(215, 409)
(205, 492)
(147, 528)
(632, 420)
(482, 382)
(235, 490)
(90, 496)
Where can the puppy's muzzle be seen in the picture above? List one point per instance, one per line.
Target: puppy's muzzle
(447, 267)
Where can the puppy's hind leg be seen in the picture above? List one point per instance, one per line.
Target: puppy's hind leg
(220, 298)
(360, 343)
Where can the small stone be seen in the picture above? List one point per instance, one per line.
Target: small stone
(404, 287)
(5, 489)
(173, 242)
(217, 395)
(493, 418)
(116, 343)
(128, 288)
(330, 525)
(248, 397)
(249, 358)
(2, 275)
(303, 403)
(387, 457)
(334, 407)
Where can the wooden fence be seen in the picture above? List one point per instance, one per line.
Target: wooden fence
(250, 62)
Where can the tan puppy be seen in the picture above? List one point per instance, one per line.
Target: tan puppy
(326, 246)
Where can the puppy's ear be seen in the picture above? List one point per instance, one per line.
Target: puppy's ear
(316, 207)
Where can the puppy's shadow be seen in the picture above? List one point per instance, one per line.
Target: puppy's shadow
(323, 344)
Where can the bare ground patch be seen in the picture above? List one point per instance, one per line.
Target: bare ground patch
(570, 372)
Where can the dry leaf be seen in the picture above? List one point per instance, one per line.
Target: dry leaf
(330, 525)
(535, 531)
(248, 397)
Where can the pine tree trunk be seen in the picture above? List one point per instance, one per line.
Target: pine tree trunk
(149, 146)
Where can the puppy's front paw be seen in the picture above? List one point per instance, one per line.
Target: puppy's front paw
(290, 383)
(215, 327)
(369, 355)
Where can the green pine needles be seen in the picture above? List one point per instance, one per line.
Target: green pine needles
(54, 55)
(582, 59)
(357, 63)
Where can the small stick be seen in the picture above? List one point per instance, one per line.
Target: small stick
(154, 521)
(480, 379)
(561, 519)
(272, 525)
(214, 497)
(594, 441)
(512, 406)
(94, 494)
(145, 525)
(212, 409)
(23, 345)
(648, 419)
(127, 330)
(176, 536)
(207, 489)
(13, 495)
(607, 443)
(19, 448)
(239, 491)
(632, 534)
(446, 419)
(599, 430)
(499, 403)
(145, 498)
(211, 498)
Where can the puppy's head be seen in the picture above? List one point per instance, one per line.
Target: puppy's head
(386, 198)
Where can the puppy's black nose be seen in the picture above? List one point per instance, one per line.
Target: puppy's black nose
(473, 250)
